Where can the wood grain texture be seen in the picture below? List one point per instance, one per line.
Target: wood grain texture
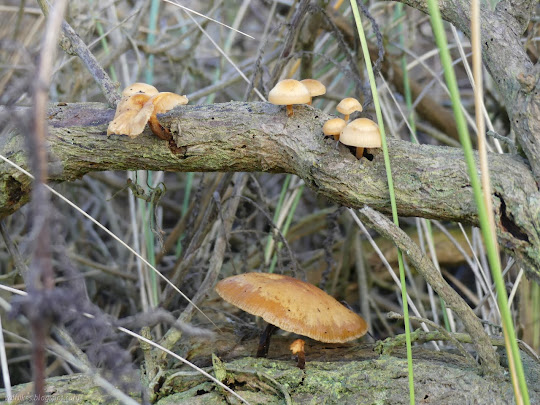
(430, 181)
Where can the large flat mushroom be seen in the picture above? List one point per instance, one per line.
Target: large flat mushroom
(292, 305)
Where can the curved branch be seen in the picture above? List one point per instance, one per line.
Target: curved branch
(430, 181)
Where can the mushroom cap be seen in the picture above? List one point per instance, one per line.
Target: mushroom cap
(334, 126)
(361, 132)
(166, 101)
(297, 346)
(131, 122)
(136, 88)
(133, 102)
(293, 305)
(132, 114)
(289, 92)
(348, 106)
(315, 87)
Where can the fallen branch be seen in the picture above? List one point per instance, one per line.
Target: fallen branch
(430, 181)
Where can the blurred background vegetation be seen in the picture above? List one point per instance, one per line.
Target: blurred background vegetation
(173, 219)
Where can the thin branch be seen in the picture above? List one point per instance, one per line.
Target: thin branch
(72, 44)
(489, 359)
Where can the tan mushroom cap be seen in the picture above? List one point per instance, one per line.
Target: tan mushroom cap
(293, 305)
(297, 346)
(349, 105)
(131, 116)
(289, 92)
(334, 126)
(133, 102)
(166, 101)
(136, 88)
(361, 132)
(315, 87)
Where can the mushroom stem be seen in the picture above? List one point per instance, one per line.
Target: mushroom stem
(346, 117)
(289, 111)
(310, 101)
(297, 347)
(301, 364)
(157, 129)
(359, 152)
(336, 137)
(264, 342)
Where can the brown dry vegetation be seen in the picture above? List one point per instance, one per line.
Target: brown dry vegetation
(200, 227)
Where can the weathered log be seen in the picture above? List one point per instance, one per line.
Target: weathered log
(334, 374)
(430, 181)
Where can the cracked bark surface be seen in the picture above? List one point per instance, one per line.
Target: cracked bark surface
(430, 181)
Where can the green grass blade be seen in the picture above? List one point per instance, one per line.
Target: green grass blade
(516, 368)
(284, 188)
(150, 39)
(286, 226)
(185, 206)
(371, 76)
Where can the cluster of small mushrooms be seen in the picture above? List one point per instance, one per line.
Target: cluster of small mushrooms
(360, 133)
(294, 306)
(139, 105)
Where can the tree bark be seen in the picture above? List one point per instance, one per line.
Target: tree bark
(334, 374)
(430, 181)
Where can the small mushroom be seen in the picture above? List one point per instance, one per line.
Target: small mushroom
(292, 305)
(297, 347)
(131, 116)
(347, 106)
(334, 127)
(131, 113)
(315, 87)
(288, 92)
(163, 102)
(361, 133)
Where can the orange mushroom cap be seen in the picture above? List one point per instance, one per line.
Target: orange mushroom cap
(288, 92)
(133, 102)
(334, 127)
(293, 305)
(362, 132)
(166, 101)
(297, 346)
(315, 87)
(349, 105)
(131, 116)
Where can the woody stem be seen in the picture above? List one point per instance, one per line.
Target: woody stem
(264, 342)
(157, 129)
